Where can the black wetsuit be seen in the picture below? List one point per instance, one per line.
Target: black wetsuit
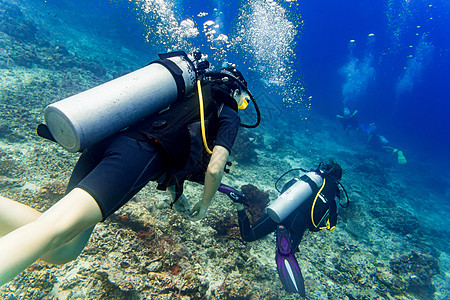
(298, 221)
(115, 169)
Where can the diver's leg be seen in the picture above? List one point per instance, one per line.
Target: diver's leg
(70, 216)
(260, 228)
(14, 214)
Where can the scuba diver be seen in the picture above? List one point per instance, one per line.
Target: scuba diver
(309, 202)
(170, 145)
(377, 141)
(349, 120)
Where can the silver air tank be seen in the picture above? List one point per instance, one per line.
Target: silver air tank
(80, 121)
(292, 198)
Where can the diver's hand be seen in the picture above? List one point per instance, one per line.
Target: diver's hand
(182, 207)
(239, 206)
(199, 211)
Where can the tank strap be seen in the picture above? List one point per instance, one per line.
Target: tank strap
(177, 75)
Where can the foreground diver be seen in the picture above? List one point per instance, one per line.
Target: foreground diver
(109, 173)
(309, 202)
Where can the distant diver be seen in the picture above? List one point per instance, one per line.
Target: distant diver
(377, 141)
(309, 202)
(160, 132)
(349, 120)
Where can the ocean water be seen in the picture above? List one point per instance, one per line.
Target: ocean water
(305, 62)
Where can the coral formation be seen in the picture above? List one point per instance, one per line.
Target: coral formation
(257, 201)
(245, 149)
(415, 271)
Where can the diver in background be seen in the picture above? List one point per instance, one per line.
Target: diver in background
(108, 174)
(378, 141)
(318, 210)
(349, 120)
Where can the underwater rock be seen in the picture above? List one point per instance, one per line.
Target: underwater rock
(5, 130)
(194, 285)
(9, 135)
(397, 220)
(234, 287)
(409, 274)
(14, 24)
(394, 283)
(371, 167)
(94, 67)
(35, 282)
(7, 167)
(6, 182)
(27, 47)
(357, 229)
(222, 223)
(111, 290)
(134, 216)
(52, 192)
(245, 147)
(416, 271)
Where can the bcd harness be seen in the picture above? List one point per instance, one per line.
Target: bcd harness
(324, 195)
(324, 222)
(178, 131)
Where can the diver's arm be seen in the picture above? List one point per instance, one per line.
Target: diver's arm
(213, 177)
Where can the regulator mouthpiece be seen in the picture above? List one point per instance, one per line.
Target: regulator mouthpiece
(244, 100)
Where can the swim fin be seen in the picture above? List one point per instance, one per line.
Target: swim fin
(233, 194)
(288, 269)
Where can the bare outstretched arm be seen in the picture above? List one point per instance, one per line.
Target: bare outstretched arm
(213, 177)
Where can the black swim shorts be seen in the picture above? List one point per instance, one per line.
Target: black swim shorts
(114, 170)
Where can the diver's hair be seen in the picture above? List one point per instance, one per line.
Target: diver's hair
(333, 169)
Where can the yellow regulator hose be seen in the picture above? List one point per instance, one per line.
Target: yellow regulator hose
(202, 116)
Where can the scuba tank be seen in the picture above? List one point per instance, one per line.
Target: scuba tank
(294, 196)
(80, 121)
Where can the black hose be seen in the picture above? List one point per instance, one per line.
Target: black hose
(220, 76)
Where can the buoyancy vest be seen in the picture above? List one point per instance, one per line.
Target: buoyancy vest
(177, 130)
(324, 206)
(320, 208)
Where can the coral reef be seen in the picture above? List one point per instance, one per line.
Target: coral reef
(416, 271)
(256, 200)
(245, 149)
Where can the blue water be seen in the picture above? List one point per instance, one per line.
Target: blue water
(387, 59)
(415, 116)
(401, 72)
